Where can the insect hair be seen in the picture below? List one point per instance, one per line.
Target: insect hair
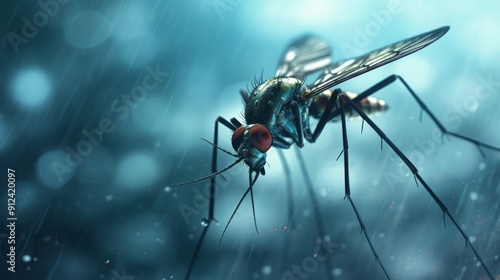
(257, 81)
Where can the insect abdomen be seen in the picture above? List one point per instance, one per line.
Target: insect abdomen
(370, 105)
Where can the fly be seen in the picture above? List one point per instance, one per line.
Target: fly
(278, 110)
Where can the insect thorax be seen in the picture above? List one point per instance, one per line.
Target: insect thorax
(269, 102)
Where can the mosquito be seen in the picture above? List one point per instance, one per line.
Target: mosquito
(278, 111)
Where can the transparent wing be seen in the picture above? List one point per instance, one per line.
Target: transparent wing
(347, 69)
(304, 55)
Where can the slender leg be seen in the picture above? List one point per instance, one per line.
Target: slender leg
(208, 221)
(337, 93)
(311, 137)
(324, 119)
(417, 177)
(289, 193)
(312, 196)
(393, 78)
(317, 212)
(348, 187)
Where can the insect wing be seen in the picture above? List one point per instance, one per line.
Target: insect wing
(347, 69)
(304, 55)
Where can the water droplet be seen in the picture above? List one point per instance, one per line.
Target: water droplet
(306, 213)
(106, 262)
(204, 222)
(285, 227)
(168, 189)
(482, 166)
(109, 197)
(266, 270)
(473, 195)
(337, 271)
(26, 258)
(270, 103)
(472, 239)
(381, 235)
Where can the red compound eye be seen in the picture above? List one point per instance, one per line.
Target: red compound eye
(237, 137)
(260, 138)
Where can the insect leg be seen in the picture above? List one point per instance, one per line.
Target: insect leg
(289, 192)
(317, 212)
(393, 78)
(417, 177)
(210, 217)
(325, 117)
(345, 151)
(314, 202)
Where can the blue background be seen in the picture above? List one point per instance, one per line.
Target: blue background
(98, 219)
